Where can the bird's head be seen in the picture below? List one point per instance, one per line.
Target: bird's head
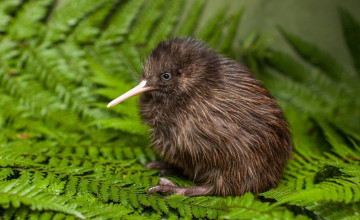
(180, 67)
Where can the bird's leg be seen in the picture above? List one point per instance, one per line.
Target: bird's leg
(166, 169)
(167, 186)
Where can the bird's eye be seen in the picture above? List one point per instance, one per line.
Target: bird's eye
(166, 76)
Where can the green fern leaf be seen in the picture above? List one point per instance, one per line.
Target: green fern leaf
(27, 21)
(336, 210)
(5, 173)
(17, 192)
(188, 26)
(351, 31)
(337, 142)
(89, 29)
(58, 27)
(249, 208)
(150, 14)
(229, 38)
(120, 23)
(316, 56)
(123, 124)
(210, 31)
(6, 8)
(167, 23)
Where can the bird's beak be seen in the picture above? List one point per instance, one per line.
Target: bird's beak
(134, 91)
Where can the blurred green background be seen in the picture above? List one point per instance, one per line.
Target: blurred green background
(316, 21)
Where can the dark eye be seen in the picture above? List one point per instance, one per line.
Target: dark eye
(166, 76)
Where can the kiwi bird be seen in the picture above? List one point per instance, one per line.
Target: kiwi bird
(212, 120)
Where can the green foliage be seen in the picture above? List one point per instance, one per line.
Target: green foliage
(320, 99)
(64, 155)
(351, 30)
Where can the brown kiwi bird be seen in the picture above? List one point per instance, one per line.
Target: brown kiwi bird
(211, 118)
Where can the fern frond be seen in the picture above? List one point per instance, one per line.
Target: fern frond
(351, 168)
(120, 23)
(335, 210)
(150, 15)
(167, 23)
(6, 172)
(333, 181)
(325, 62)
(249, 208)
(108, 211)
(306, 135)
(332, 190)
(317, 81)
(123, 124)
(89, 29)
(19, 192)
(229, 36)
(210, 30)
(9, 159)
(320, 94)
(340, 147)
(28, 20)
(68, 16)
(6, 8)
(188, 25)
(351, 32)
(316, 56)
(307, 99)
(57, 77)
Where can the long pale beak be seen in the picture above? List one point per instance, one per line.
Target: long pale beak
(134, 91)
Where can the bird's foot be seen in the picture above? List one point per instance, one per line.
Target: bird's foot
(167, 186)
(166, 169)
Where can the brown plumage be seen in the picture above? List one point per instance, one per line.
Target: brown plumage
(212, 119)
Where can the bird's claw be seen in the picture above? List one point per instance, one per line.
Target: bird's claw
(166, 186)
